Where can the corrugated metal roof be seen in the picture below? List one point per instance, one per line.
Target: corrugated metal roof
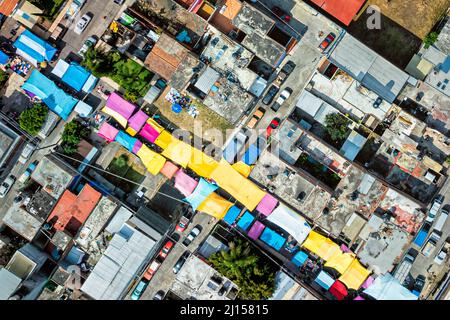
(207, 80)
(7, 6)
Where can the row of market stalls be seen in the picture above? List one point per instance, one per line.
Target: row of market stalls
(262, 211)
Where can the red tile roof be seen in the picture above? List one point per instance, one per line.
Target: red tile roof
(72, 211)
(7, 6)
(343, 10)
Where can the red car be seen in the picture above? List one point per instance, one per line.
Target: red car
(272, 126)
(182, 225)
(327, 41)
(166, 249)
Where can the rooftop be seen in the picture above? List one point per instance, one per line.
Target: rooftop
(265, 48)
(52, 177)
(8, 140)
(10, 282)
(367, 67)
(72, 210)
(288, 289)
(250, 20)
(22, 222)
(40, 204)
(185, 71)
(197, 280)
(343, 10)
(443, 42)
(7, 6)
(287, 184)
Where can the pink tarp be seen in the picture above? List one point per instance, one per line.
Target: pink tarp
(256, 230)
(149, 133)
(368, 282)
(359, 298)
(108, 132)
(184, 183)
(169, 169)
(138, 120)
(344, 248)
(267, 205)
(137, 146)
(120, 105)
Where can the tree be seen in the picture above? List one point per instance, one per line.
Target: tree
(448, 160)
(336, 126)
(98, 62)
(132, 77)
(73, 132)
(254, 276)
(31, 120)
(430, 39)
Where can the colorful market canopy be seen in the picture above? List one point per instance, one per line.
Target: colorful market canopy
(179, 152)
(242, 189)
(300, 258)
(201, 192)
(322, 246)
(202, 164)
(54, 98)
(267, 204)
(108, 132)
(215, 206)
(33, 48)
(169, 169)
(136, 122)
(386, 287)
(119, 108)
(245, 221)
(76, 77)
(242, 168)
(137, 146)
(355, 275)
(232, 214)
(256, 230)
(164, 139)
(4, 58)
(340, 262)
(184, 183)
(155, 125)
(273, 239)
(324, 280)
(125, 140)
(291, 222)
(152, 161)
(338, 290)
(148, 132)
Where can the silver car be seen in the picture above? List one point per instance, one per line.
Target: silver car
(6, 185)
(82, 23)
(90, 42)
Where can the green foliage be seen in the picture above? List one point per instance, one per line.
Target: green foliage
(121, 161)
(448, 160)
(98, 62)
(50, 7)
(336, 126)
(3, 78)
(241, 264)
(32, 119)
(430, 39)
(72, 135)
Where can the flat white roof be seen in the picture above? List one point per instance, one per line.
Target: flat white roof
(9, 283)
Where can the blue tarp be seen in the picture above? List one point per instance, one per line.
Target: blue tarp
(56, 99)
(231, 215)
(299, 258)
(34, 47)
(251, 155)
(126, 140)
(201, 192)
(245, 221)
(272, 238)
(76, 76)
(3, 57)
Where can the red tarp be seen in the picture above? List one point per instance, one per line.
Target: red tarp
(338, 290)
(343, 10)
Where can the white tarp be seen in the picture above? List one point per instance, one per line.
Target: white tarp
(386, 287)
(27, 57)
(60, 68)
(291, 222)
(83, 109)
(89, 84)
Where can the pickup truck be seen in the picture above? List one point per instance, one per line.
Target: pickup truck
(434, 208)
(402, 270)
(443, 253)
(429, 247)
(421, 236)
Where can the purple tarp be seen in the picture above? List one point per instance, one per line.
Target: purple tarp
(149, 133)
(184, 183)
(137, 120)
(256, 230)
(368, 282)
(137, 146)
(108, 132)
(359, 298)
(120, 105)
(267, 205)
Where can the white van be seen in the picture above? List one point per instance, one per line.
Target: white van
(441, 221)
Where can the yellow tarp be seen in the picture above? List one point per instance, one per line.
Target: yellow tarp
(340, 262)
(119, 118)
(242, 189)
(215, 206)
(202, 164)
(164, 139)
(155, 125)
(322, 246)
(130, 131)
(355, 275)
(242, 168)
(179, 152)
(152, 161)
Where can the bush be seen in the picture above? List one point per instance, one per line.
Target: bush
(430, 39)
(72, 135)
(3, 78)
(448, 160)
(32, 120)
(336, 126)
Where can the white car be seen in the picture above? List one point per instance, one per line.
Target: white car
(90, 42)
(82, 23)
(284, 95)
(6, 185)
(27, 152)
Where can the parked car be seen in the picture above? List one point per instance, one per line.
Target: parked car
(257, 116)
(418, 285)
(192, 235)
(176, 268)
(26, 152)
(327, 41)
(139, 290)
(271, 93)
(182, 224)
(59, 32)
(166, 249)
(6, 185)
(119, 1)
(154, 266)
(90, 42)
(231, 151)
(285, 72)
(280, 13)
(274, 124)
(284, 95)
(437, 203)
(442, 254)
(18, 199)
(440, 222)
(28, 171)
(159, 295)
(82, 23)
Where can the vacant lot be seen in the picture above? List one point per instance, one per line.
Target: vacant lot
(128, 166)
